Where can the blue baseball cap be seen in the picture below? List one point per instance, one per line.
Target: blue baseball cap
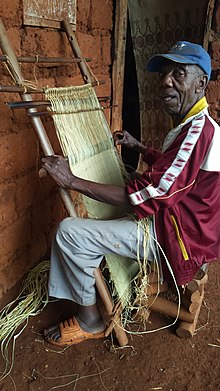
(183, 52)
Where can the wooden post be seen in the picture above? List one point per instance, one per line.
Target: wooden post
(107, 301)
(121, 10)
(84, 69)
(208, 24)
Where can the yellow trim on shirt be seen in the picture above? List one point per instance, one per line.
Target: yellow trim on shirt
(181, 244)
(199, 106)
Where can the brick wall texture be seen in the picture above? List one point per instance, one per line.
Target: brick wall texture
(31, 208)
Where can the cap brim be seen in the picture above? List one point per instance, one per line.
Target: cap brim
(155, 63)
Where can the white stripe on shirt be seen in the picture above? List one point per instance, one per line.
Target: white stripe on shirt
(177, 166)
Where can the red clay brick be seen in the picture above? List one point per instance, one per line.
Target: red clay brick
(9, 9)
(27, 186)
(5, 118)
(106, 50)
(13, 237)
(40, 215)
(15, 272)
(83, 12)
(14, 38)
(18, 153)
(8, 212)
(4, 286)
(215, 54)
(91, 47)
(102, 14)
(38, 249)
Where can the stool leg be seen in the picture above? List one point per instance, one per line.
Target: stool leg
(107, 301)
(187, 329)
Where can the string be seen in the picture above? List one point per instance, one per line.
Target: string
(26, 84)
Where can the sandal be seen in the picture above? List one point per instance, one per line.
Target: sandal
(72, 334)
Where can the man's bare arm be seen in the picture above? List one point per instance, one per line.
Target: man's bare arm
(59, 170)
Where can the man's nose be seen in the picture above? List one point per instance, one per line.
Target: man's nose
(167, 80)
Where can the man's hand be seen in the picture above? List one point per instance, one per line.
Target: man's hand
(122, 137)
(59, 170)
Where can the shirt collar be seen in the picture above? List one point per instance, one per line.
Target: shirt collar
(199, 106)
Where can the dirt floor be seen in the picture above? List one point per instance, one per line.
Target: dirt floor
(155, 361)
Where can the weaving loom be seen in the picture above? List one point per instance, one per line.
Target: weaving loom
(86, 140)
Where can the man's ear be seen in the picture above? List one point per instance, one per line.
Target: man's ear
(202, 83)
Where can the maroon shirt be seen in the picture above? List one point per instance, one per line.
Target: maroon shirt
(181, 189)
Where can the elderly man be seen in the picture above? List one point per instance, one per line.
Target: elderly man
(179, 192)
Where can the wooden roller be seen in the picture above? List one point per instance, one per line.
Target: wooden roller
(196, 285)
(186, 329)
(192, 296)
(190, 306)
(169, 308)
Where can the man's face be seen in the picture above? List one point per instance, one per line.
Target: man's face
(179, 87)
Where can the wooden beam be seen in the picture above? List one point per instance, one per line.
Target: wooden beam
(46, 60)
(208, 24)
(108, 304)
(118, 63)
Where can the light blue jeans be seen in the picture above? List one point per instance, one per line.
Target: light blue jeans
(78, 248)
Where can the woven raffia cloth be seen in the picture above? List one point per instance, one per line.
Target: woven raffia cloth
(155, 26)
(86, 140)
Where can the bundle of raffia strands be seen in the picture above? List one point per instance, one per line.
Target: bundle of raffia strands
(15, 315)
(86, 140)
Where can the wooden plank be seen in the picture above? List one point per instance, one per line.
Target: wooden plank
(118, 63)
(108, 304)
(83, 67)
(208, 24)
(49, 13)
(47, 60)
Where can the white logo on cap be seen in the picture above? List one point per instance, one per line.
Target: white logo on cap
(179, 46)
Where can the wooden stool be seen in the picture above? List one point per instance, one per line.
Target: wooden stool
(190, 303)
(191, 300)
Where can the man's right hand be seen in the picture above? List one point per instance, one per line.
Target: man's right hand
(122, 137)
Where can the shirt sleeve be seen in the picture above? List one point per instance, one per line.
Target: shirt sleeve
(174, 173)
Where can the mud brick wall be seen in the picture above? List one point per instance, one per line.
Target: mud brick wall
(30, 207)
(213, 90)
